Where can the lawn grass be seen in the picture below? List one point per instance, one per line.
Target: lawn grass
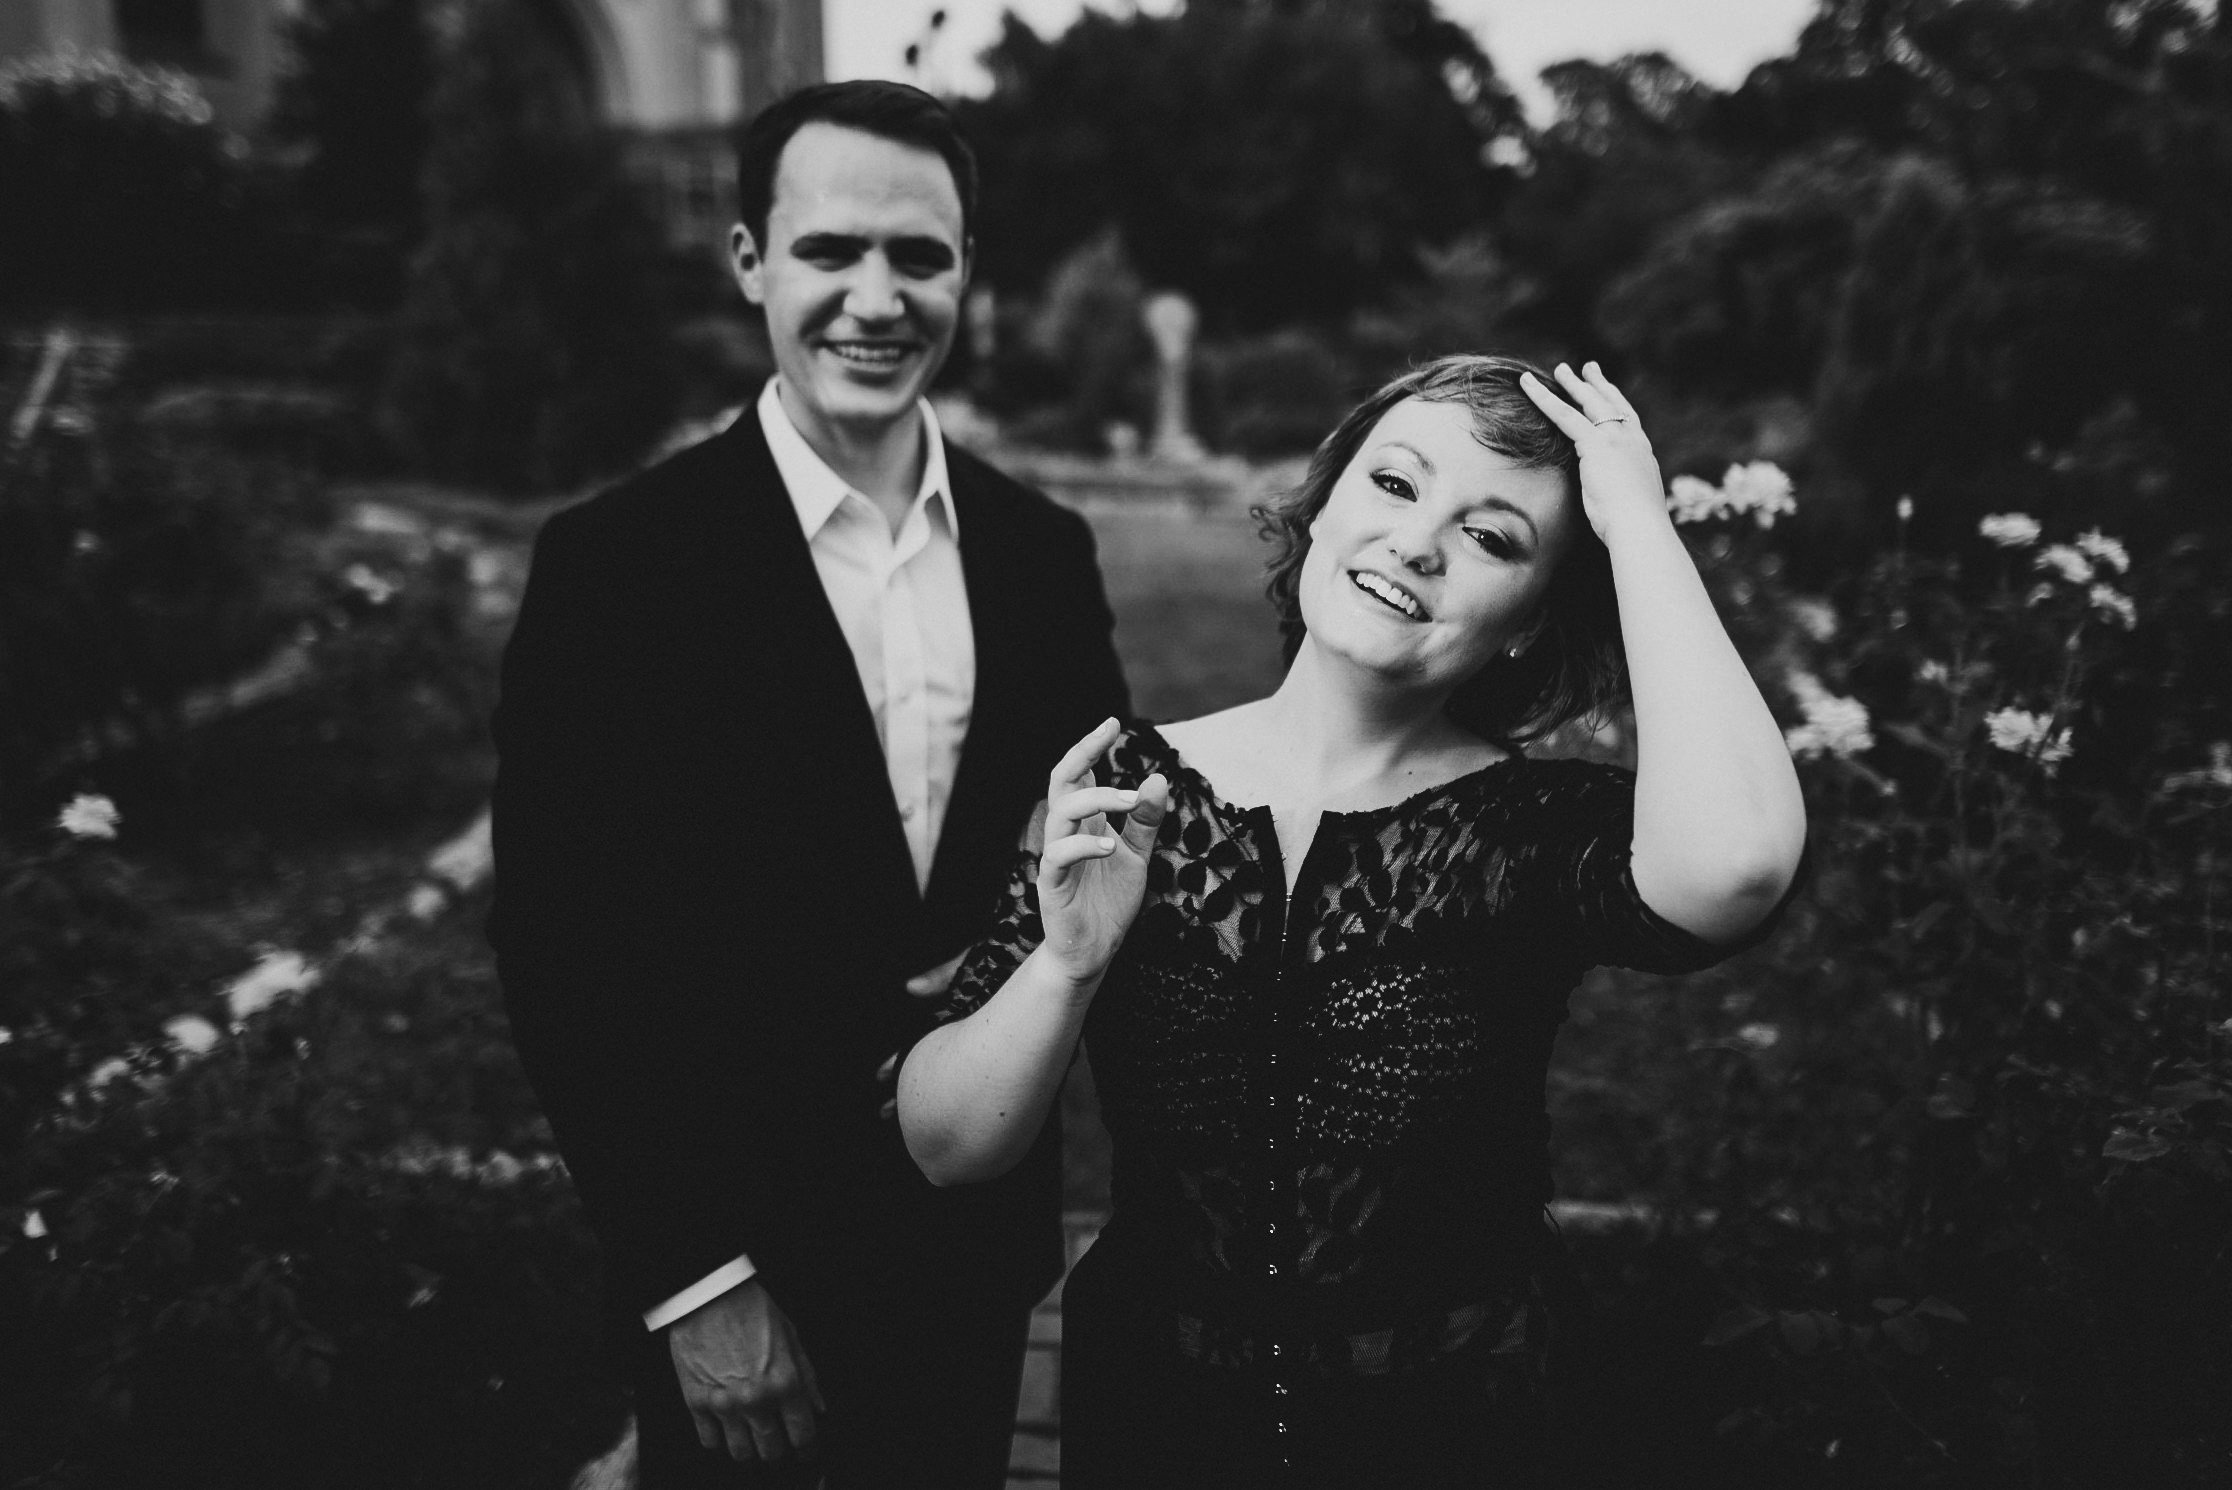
(1192, 625)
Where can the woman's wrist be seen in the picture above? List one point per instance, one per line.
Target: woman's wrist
(1063, 982)
(1646, 534)
(1639, 524)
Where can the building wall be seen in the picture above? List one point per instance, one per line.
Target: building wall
(28, 26)
(658, 65)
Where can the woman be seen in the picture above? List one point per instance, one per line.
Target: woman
(1321, 962)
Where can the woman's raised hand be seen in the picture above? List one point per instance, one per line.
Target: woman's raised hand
(1091, 880)
(1620, 478)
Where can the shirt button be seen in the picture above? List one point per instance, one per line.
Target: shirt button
(907, 811)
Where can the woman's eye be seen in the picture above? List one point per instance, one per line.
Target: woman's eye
(1393, 485)
(1491, 542)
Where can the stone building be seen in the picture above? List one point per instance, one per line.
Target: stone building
(672, 75)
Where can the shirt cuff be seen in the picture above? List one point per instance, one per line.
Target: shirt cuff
(704, 1291)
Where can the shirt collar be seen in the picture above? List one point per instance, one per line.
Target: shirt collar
(816, 491)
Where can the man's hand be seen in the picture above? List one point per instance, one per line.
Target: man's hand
(745, 1377)
(929, 985)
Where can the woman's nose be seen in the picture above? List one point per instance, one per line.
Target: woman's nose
(1415, 545)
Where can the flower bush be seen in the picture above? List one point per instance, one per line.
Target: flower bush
(1985, 1064)
(332, 1250)
(118, 186)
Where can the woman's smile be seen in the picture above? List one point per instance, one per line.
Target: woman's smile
(1390, 594)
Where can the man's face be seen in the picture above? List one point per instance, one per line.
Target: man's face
(861, 276)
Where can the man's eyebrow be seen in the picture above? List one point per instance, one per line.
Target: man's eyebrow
(828, 242)
(922, 245)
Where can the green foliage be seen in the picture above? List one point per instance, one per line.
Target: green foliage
(1624, 158)
(1744, 295)
(536, 343)
(383, 722)
(1080, 360)
(1985, 1062)
(1277, 161)
(91, 961)
(309, 1257)
(353, 103)
(1963, 229)
(135, 569)
(1278, 393)
(118, 187)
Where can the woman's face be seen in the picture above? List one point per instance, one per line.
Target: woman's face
(1433, 553)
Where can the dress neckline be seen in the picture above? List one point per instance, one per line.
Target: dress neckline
(1389, 810)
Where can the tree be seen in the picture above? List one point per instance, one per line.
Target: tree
(2121, 102)
(536, 343)
(353, 106)
(1623, 158)
(1278, 160)
(119, 189)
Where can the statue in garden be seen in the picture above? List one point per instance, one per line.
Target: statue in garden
(1171, 322)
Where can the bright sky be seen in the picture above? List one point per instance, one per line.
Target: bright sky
(1718, 40)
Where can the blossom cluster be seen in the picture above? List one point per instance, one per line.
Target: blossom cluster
(1759, 489)
(89, 816)
(499, 1170)
(114, 85)
(2084, 564)
(1833, 725)
(275, 976)
(2020, 732)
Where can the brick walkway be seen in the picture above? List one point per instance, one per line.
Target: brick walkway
(1035, 1460)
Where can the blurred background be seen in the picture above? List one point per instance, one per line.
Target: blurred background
(312, 310)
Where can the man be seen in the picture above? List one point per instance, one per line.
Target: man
(774, 716)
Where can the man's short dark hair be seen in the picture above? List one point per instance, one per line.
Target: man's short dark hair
(893, 111)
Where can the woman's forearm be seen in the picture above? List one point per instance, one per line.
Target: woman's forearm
(973, 1094)
(1719, 819)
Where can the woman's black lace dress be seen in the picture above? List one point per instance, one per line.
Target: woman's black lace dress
(1325, 1092)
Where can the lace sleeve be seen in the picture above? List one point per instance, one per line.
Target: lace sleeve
(1576, 879)
(1014, 934)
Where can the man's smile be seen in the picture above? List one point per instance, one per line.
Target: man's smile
(876, 356)
(1389, 594)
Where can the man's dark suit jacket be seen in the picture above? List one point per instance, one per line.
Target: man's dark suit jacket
(705, 906)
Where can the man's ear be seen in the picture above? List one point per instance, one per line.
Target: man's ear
(747, 265)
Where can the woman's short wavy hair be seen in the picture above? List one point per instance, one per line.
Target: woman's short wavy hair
(1575, 666)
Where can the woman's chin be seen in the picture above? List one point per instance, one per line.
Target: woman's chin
(1383, 668)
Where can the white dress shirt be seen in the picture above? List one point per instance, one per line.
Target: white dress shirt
(902, 602)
